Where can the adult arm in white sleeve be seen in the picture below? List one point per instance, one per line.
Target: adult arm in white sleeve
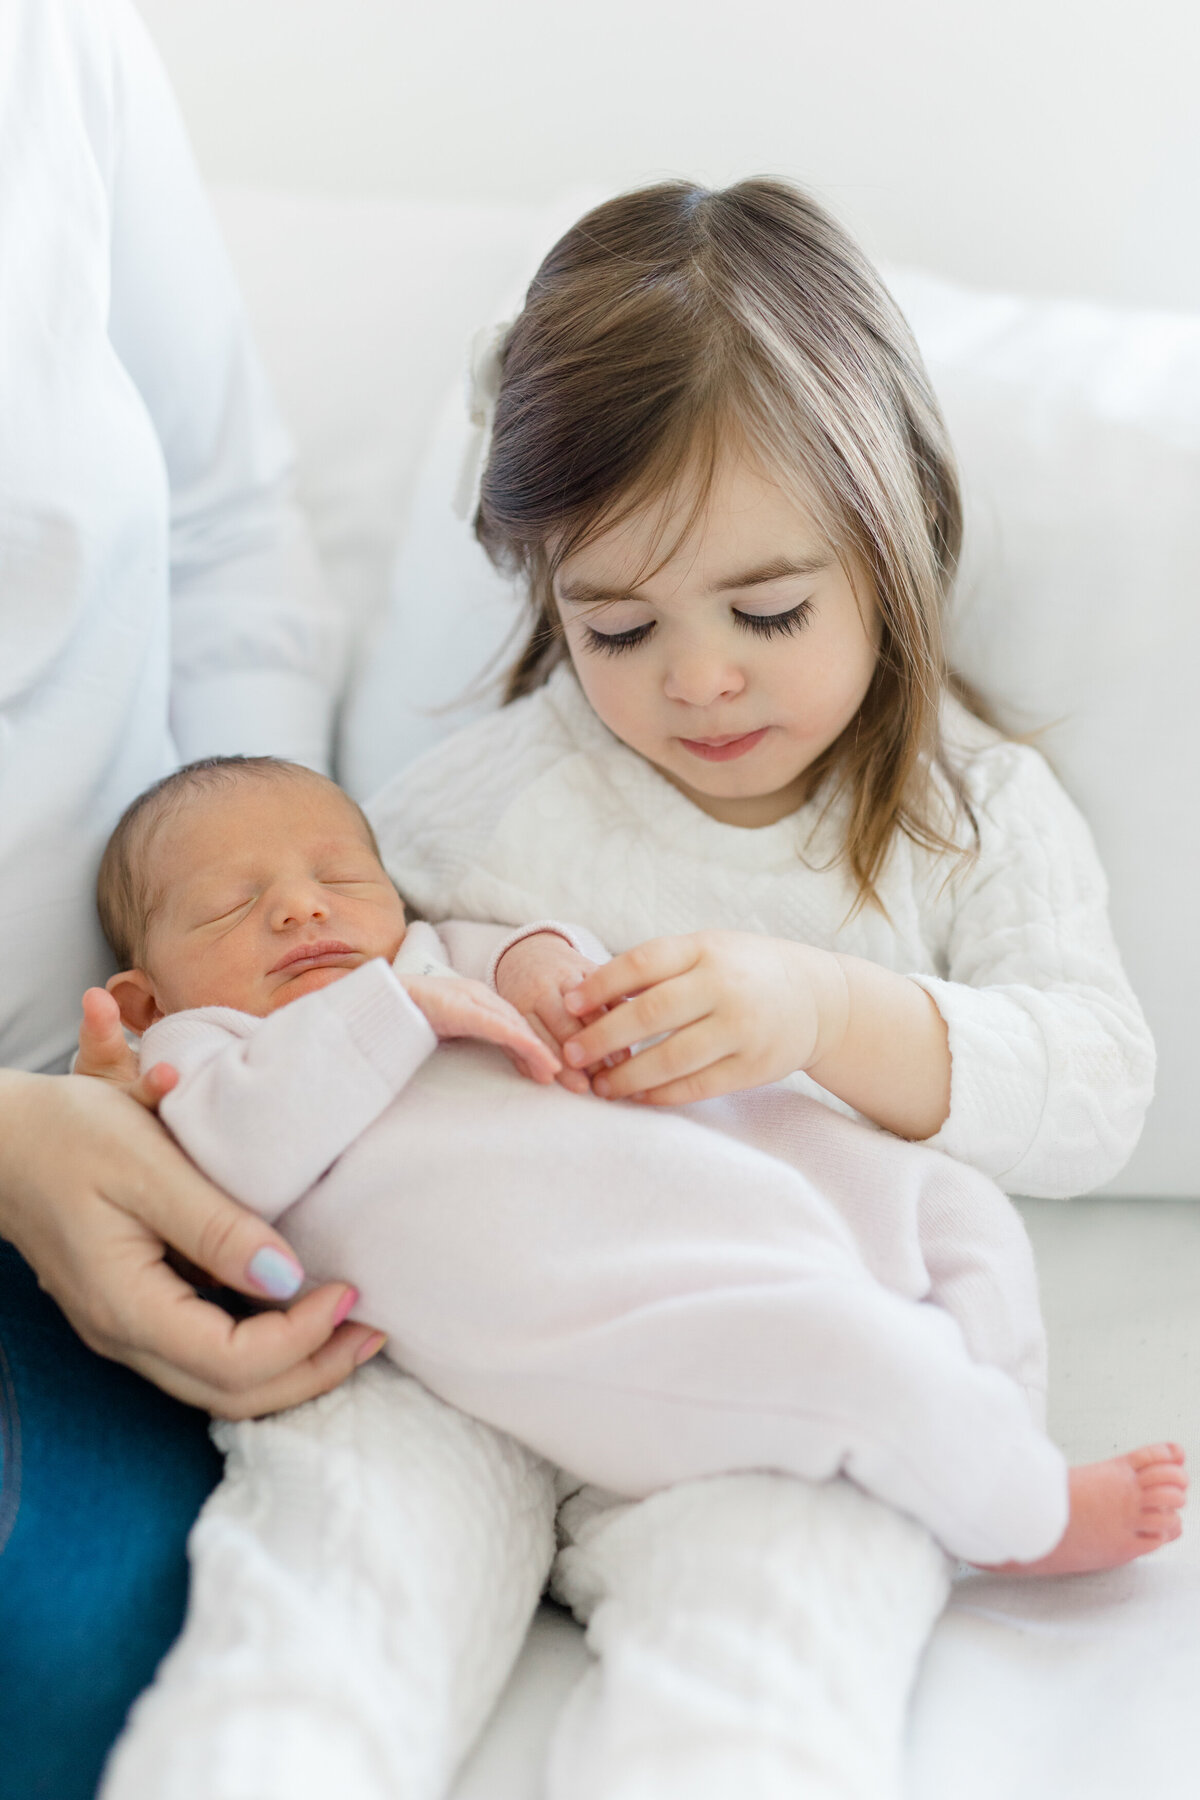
(258, 646)
(1052, 1061)
(265, 1106)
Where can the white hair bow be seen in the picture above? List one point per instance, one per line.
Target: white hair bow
(484, 373)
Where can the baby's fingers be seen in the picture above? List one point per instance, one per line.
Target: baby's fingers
(514, 1035)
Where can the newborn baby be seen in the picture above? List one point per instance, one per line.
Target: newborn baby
(643, 1296)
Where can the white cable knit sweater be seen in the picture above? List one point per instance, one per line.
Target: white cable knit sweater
(539, 811)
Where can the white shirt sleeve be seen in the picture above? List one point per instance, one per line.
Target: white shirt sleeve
(1052, 1060)
(257, 645)
(265, 1106)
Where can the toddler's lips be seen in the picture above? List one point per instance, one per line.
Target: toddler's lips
(725, 749)
(325, 953)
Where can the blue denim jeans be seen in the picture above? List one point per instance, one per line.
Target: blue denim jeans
(101, 1478)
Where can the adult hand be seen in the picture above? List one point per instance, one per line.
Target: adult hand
(105, 1055)
(92, 1191)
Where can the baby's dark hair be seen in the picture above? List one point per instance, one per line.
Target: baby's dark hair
(125, 896)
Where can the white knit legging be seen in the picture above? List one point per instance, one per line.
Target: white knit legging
(363, 1578)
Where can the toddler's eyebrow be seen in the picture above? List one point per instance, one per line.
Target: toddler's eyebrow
(780, 568)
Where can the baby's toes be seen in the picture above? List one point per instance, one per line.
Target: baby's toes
(1159, 1528)
(1150, 1454)
(1162, 1496)
(1167, 1476)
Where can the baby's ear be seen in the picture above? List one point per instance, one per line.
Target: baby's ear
(134, 994)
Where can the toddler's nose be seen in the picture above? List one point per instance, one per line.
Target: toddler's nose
(702, 678)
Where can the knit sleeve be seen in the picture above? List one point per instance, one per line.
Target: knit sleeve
(1052, 1061)
(265, 1106)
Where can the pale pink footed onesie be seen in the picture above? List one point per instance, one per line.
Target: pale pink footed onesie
(643, 1297)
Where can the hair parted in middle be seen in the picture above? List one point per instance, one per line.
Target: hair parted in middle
(674, 322)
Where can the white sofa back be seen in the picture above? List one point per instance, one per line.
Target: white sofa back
(1078, 430)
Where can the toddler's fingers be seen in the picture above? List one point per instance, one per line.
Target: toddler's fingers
(670, 1006)
(630, 973)
(681, 1058)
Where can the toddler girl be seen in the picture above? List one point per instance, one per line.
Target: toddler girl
(717, 466)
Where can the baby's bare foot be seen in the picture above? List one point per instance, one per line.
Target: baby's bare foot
(1120, 1509)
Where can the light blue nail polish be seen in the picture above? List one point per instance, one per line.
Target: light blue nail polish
(275, 1273)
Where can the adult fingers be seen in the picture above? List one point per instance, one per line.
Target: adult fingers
(152, 1087)
(157, 1317)
(348, 1348)
(103, 1051)
(146, 1177)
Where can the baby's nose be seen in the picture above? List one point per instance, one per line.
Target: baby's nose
(298, 906)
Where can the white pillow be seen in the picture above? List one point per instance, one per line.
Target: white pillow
(1078, 431)
(362, 310)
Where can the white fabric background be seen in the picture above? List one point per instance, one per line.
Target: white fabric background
(1048, 145)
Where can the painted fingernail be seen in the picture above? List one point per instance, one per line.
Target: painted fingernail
(275, 1273)
(345, 1305)
(372, 1347)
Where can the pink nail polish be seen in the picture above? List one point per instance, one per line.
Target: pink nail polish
(345, 1306)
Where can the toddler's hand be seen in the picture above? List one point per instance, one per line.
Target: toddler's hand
(534, 976)
(730, 1010)
(105, 1055)
(459, 1008)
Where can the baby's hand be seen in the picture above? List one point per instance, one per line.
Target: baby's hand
(534, 976)
(729, 1009)
(105, 1055)
(459, 1008)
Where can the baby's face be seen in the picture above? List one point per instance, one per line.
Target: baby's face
(265, 891)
